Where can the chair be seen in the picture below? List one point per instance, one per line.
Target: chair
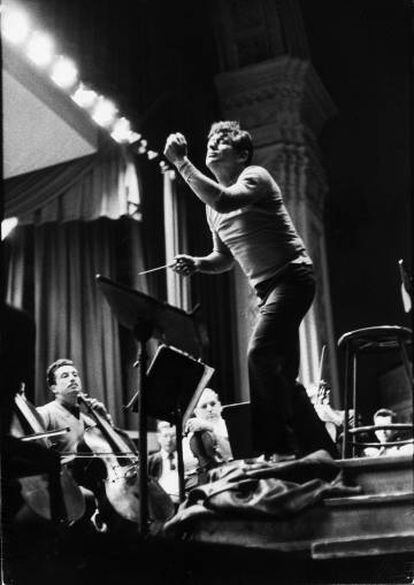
(363, 341)
(24, 460)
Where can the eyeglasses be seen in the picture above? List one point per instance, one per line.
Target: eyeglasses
(212, 404)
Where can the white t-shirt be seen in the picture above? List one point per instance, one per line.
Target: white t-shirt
(169, 476)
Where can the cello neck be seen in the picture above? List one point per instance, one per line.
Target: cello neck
(109, 433)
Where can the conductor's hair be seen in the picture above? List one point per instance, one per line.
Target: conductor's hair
(50, 372)
(241, 140)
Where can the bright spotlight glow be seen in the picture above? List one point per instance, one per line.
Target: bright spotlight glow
(151, 154)
(104, 112)
(15, 25)
(142, 147)
(64, 73)
(121, 130)
(7, 226)
(84, 97)
(40, 49)
(133, 137)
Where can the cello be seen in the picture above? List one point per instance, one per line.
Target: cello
(121, 481)
(35, 489)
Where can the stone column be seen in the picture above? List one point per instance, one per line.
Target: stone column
(284, 105)
(178, 288)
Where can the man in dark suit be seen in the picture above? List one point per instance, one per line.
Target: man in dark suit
(163, 464)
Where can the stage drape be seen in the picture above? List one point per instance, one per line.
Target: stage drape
(213, 293)
(104, 184)
(73, 319)
(54, 258)
(55, 265)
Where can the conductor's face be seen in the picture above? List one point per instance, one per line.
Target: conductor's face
(220, 153)
(67, 384)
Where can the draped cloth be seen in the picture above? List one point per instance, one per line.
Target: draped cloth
(260, 490)
(104, 184)
(68, 237)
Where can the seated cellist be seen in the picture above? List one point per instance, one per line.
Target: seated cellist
(64, 381)
(106, 460)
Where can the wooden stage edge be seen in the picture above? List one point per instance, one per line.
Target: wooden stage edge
(380, 521)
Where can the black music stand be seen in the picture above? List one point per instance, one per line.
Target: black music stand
(174, 383)
(147, 317)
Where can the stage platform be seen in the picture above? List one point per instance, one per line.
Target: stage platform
(379, 521)
(364, 538)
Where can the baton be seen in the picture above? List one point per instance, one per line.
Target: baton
(155, 269)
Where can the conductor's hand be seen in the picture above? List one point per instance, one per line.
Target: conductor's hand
(184, 265)
(175, 148)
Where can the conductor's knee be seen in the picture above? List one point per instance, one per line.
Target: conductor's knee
(259, 356)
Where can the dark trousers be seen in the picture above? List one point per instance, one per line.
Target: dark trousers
(283, 418)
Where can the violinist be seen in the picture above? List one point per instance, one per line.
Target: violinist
(208, 423)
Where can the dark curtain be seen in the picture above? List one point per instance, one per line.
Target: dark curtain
(104, 184)
(52, 271)
(72, 318)
(214, 293)
(53, 258)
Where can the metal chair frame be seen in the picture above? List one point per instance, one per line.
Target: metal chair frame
(379, 338)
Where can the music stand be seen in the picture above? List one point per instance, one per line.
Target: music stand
(174, 383)
(147, 317)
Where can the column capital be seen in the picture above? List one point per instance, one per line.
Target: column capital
(282, 95)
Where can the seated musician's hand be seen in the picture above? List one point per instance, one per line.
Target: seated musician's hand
(184, 265)
(100, 409)
(175, 147)
(194, 425)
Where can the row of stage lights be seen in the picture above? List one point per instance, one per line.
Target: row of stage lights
(39, 48)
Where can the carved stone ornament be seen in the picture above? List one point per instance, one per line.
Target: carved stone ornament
(285, 90)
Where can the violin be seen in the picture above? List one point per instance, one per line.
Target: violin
(27, 424)
(203, 444)
(121, 460)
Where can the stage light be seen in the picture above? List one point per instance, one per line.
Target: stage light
(151, 154)
(104, 112)
(64, 72)
(40, 49)
(142, 149)
(7, 226)
(121, 130)
(84, 97)
(133, 137)
(15, 25)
